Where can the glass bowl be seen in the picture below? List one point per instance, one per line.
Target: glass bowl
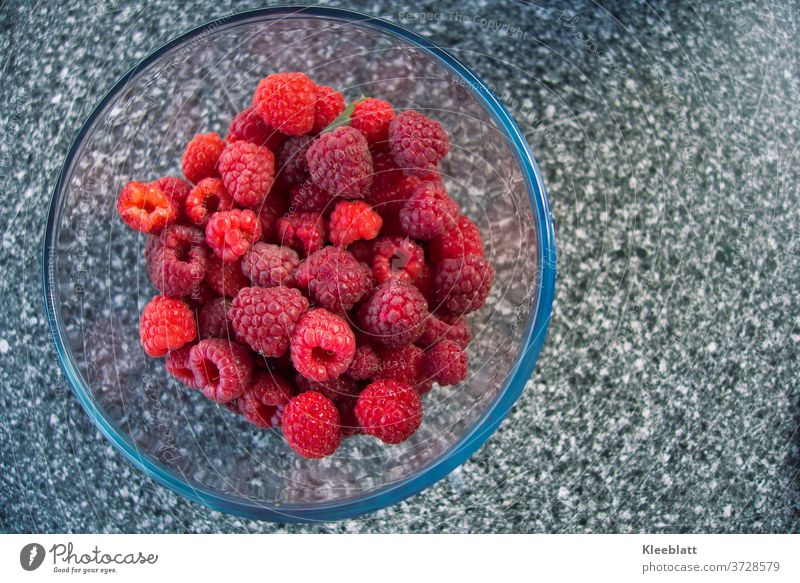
(96, 284)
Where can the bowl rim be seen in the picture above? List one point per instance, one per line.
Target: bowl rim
(520, 372)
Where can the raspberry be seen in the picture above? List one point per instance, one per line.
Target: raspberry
(177, 364)
(390, 187)
(403, 363)
(201, 157)
(262, 403)
(462, 285)
(231, 233)
(222, 369)
(291, 166)
(247, 172)
(322, 345)
(249, 127)
(268, 265)
(463, 238)
(177, 260)
(264, 318)
(417, 142)
(201, 293)
(145, 207)
(437, 329)
(212, 321)
(424, 282)
(269, 213)
(446, 363)
(397, 258)
(307, 197)
(353, 220)
(347, 416)
(206, 198)
(389, 410)
(225, 279)
(371, 117)
(337, 390)
(394, 315)
(365, 363)
(334, 279)
(339, 162)
(362, 251)
(166, 324)
(177, 189)
(311, 425)
(428, 212)
(330, 103)
(287, 102)
(304, 232)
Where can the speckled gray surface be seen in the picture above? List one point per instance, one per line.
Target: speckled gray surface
(666, 397)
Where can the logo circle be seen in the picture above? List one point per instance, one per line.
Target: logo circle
(31, 556)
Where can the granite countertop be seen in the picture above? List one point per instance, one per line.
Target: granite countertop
(666, 397)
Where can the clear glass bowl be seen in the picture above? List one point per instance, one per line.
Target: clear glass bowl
(96, 284)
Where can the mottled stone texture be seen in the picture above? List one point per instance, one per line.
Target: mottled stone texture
(666, 397)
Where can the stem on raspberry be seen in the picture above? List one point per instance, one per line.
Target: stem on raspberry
(343, 118)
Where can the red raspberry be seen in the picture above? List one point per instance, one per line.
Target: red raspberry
(389, 410)
(353, 220)
(177, 189)
(268, 265)
(425, 283)
(247, 172)
(437, 329)
(291, 166)
(263, 402)
(397, 258)
(403, 363)
(339, 162)
(177, 364)
(145, 207)
(287, 102)
(264, 318)
(304, 232)
(208, 197)
(226, 279)
(248, 126)
(371, 117)
(322, 345)
(330, 103)
(463, 238)
(365, 363)
(394, 315)
(307, 197)
(390, 187)
(212, 321)
(231, 233)
(462, 285)
(337, 390)
(201, 157)
(428, 212)
(362, 251)
(417, 142)
(201, 293)
(311, 425)
(177, 260)
(347, 415)
(166, 324)
(334, 279)
(269, 213)
(446, 363)
(222, 369)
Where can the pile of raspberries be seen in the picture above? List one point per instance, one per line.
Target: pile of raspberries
(314, 274)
